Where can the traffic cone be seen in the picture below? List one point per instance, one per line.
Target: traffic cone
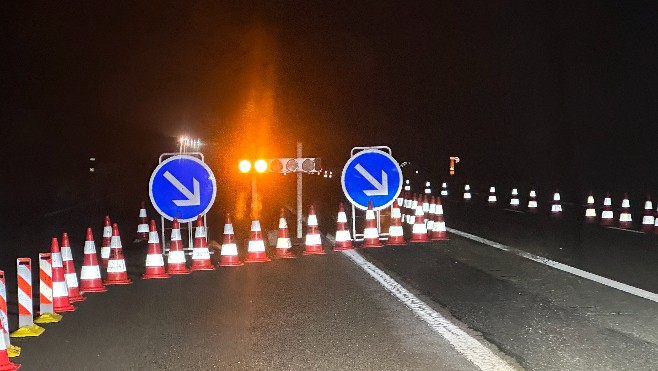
(90, 275)
(625, 218)
(200, 253)
(492, 196)
(176, 258)
(343, 236)
(426, 208)
(69, 271)
(556, 208)
(444, 189)
(590, 212)
(105, 244)
(154, 266)
(313, 241)
(401, 201)
(429, 217)
(370, 232)
(142, 227)
(428, 188)
(607, 215)
(395, 232)
(419, 231)
(514, 200)
(229, 255)
(5, 364)
(283, 244)
(532, 201)
(256, 250)
(12, 350)
(439, 233)
(415, 201)
(61, 302)
(116, 266)
(648, 219)
(467, 193)
(655, 225)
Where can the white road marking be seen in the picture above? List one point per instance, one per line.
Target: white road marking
(563, 267)
(515, 211)
(626, 230)
(469, 347)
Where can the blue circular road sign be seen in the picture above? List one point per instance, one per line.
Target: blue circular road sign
(182, 187)
(371, 175)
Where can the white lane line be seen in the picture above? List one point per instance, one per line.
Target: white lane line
(625, 230)
(563, 267)
(469, 347)
(515, 211)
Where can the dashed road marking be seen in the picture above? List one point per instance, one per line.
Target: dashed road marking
(563, 267)
(469, 347)
(625, 230)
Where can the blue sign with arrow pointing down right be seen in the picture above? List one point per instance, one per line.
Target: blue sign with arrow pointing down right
(371, 175)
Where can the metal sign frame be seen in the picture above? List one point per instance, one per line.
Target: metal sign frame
(190, 236)
(359, 236)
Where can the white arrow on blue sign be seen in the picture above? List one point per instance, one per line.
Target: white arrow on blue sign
(182, 187)
(371, 175)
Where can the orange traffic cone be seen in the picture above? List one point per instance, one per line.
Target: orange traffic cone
(607, 215)
(229, 255)
(625, 218)
(556, 208)
(590, 212)
(444, 189)
(61, 302)
(648, 219)
(429, 217)
(467, 193)
(256, 250)
(412, 209)
(439, 233)
(5, 364)
(395, 232)
(426, 208)
(154, 266)
(492, 196)
(283, 244)
(532, 201)
(69, 271)
(142, 227)
(116, 266)
(313, 241)
(343, 236)
(371, 233)
(90, 275)
(200, 253)
(514, 200)
(419, 231)
(12, 350)
(655, 225)
(105, 244)
(176, 258)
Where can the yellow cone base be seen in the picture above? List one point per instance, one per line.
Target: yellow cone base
(13, 351)
(48, 318)
(26, 331)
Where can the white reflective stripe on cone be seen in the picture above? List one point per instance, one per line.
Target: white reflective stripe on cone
(229, 249)
(532, 204)
(89, 272)
(105, 252)
(342, 218)
(175, 235)
(71, 279)
(343, 236)
(256, 246)
(201, 253)
(648, 219)
(313, 239)
(154, 260)
(60, 289)
(284, 243)
(116, 266)
(142, 228)
(590, 212)
(90, 247)
(176, 257)
(395, 230)
(370, 233)
(607, 214)
(419, 228)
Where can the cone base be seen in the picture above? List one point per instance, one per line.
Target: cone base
(14, 351)
(178, 268)
(118, 281)
(28, 331)
(313, 250)
(94, 287)
(10, 366)
(257, 259)
(64, 308)
(343, 248)
(590, 220)
(203, 268)
(395, 242)
(147, 276)
(372, 244)
(607, 222)
(77, 298)
(48, 318)
(232, 261)
(286, 254)
(442, 238)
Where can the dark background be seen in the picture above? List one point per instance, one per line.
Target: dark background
(555, 94)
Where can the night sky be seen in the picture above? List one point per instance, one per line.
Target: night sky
(563, 94)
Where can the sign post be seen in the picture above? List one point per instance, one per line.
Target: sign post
(371, 175)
